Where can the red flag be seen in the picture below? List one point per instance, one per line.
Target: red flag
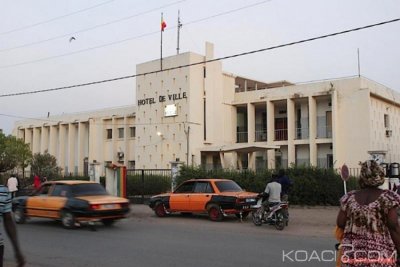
(163, 24)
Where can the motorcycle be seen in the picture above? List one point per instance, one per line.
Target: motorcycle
(276, 215)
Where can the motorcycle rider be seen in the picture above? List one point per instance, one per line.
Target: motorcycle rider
(273, 190)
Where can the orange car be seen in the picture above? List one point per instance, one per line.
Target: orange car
(217, 197)
(71, 202)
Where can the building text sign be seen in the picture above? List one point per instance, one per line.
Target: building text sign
(161, 98)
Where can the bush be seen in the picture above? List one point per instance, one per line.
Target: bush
(311, 185)
(150, 185)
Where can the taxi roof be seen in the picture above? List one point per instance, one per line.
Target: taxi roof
(209, 179)
(70, 182)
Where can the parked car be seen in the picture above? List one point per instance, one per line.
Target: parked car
(71, 202)
(216, 197)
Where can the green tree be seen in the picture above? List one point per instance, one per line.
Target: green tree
(45, 165)
(14, 153)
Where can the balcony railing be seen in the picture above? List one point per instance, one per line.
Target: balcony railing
(242, 137)
(303, 162)
(324, 131)
(281, 134)
(261, 135)
(302, 133)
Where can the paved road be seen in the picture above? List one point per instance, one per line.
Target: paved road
(145, 240)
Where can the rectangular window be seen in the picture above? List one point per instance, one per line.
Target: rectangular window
(109, 133)
(120, 132)
(132, 132)
(131, 164)
(386, 120)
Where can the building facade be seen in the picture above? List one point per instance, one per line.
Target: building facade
(200, 114)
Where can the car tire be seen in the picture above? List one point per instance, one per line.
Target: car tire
(244, 215)
(19, 215)
(68, 219)
(159, 209)
(214, 213)
(108, 222)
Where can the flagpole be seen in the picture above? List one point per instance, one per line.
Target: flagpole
(162, 19)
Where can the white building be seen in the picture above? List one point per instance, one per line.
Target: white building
(202, 115)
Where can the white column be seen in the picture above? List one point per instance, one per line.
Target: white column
(71, 148)
(62, 145)
(312, 109)
(251, 123)
(271, 133)
(270, 122)
(291, 131)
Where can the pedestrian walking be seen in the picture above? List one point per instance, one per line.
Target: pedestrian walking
(12, 184)
(9, 226)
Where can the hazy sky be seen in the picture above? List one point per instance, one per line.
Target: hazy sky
(111, 37)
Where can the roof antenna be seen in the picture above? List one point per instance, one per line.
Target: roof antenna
(179, 28)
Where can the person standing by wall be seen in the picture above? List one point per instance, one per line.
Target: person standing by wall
(9, 226)
(12, 184)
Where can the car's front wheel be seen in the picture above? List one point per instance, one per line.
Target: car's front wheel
(19, 215)
(214, 213)
(159, 209)
(68, 219)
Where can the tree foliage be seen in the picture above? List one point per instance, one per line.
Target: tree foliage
(45, 165)
(14, 153)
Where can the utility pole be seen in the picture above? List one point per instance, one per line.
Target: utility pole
(179, 28)
(187, 132)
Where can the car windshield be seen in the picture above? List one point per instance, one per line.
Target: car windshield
(88, 190)
(228, 186)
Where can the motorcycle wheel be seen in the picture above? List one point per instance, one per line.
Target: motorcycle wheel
(255, 215)
(280, 221)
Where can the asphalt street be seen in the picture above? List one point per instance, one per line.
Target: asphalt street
(146, 240)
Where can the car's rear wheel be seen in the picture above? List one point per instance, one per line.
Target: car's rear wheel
(68, 219)
(19, 215)
(214, 213)
(159, 209)
(108, 222)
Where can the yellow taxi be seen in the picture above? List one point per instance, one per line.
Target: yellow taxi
(215, 197)
(72, 202)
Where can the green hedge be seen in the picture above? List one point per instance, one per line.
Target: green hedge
(152, 184)
(311, 186)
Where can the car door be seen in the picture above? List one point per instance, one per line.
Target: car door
(201, 195)
(180, 199)
(57, 199)
(36, 204)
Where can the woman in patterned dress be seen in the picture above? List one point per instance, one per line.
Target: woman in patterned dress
(368, 218)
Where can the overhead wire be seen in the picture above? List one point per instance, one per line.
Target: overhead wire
(133, 37)
(205, 61)
(55, 18)
(89, 29)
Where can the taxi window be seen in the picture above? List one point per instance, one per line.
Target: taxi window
(44, 190)
(185, 188)
(203, 187)
(61, 190)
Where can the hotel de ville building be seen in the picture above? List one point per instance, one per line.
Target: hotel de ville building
(201, 115)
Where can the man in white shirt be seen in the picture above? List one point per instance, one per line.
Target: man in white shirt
(273, 189)
(12, 184)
